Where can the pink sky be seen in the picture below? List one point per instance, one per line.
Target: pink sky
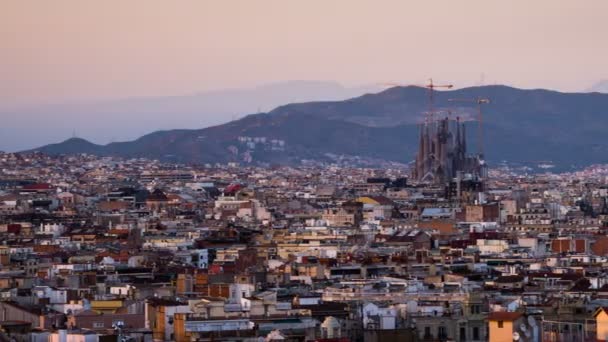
(58, 51)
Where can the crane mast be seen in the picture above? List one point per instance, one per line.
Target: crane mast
(479, 101)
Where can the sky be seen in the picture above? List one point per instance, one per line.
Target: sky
(65, 51)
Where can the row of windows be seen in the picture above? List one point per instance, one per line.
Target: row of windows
(442, 333)
(99, 325)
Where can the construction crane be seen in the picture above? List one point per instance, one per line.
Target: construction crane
(479, 101)
(430, 86)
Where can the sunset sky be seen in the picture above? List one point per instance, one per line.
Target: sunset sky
(64, 51)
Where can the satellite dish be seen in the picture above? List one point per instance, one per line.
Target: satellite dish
(531, 321)
(516, 336)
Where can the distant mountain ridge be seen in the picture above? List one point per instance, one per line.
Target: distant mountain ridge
(126, 119)
(520, 126)
(600, 87)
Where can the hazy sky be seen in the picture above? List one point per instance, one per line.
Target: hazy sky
(58, 51)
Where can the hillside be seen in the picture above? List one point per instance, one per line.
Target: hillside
(105, 121)
(520, 126)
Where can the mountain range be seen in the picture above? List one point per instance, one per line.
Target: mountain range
(105, 121)
(520, 126)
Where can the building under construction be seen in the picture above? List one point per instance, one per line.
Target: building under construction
(442, 153)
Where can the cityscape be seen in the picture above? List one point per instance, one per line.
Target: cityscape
(422, 211)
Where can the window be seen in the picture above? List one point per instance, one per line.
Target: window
(475, 333)
(463, 334)
(442, 332)
(475, 309)
(97, 324)
(427, 332)
(500, 324)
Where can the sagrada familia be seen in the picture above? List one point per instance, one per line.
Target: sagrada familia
(442, 153)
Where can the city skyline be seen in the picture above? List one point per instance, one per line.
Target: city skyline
(303, 171)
